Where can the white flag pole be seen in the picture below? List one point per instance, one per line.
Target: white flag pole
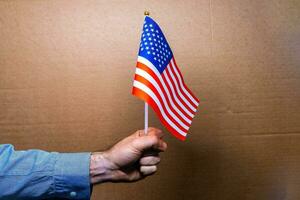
(146, 118)
(146, 13)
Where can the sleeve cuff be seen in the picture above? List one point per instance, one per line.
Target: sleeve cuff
(72, 176)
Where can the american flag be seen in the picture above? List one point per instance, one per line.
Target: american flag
(159, 82)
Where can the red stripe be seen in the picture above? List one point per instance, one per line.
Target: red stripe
(172, 96)
(179, 86)
(166, 71)
(184, 83)
(153, 75)
(145, 97)
(151, 87)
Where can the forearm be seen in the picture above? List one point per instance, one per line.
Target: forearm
(36, 174)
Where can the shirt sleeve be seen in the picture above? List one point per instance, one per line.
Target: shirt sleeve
(36, 174)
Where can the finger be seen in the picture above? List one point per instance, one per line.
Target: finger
(155, 131)
(149, 142)
(150, 131)
(150, 152)
(149, 160)
(148, 170)
(160, 146)
(134, 176)
(126, 175)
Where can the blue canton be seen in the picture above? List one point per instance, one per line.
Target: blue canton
(154, 46)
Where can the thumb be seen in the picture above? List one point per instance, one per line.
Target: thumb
(146, 142)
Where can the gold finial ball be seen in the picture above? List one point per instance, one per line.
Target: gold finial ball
(147, 13)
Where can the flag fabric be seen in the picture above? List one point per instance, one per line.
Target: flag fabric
(159, 82)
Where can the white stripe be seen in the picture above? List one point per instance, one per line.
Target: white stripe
(182, 86)
(151, 66)
(144, 88)
(154, 83)
(178, 90)
(175, 96)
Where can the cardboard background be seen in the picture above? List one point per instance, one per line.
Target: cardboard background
(66, 70)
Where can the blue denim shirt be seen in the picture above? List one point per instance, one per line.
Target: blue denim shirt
(36, 174)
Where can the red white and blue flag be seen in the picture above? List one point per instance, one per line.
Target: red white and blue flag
(159, 82)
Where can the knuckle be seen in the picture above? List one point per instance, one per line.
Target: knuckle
(151, 128)
(164, 146)
(155, 140)
(139, 132)
(154, 130)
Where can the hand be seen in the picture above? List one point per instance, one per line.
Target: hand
(131, 159)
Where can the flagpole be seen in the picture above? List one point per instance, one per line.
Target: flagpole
(146, 13)
(146, 118)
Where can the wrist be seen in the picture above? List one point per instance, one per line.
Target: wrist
(100, 168)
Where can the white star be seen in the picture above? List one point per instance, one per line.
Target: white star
(154, 58)
(148, 52)
(150, 38)
(150, 25)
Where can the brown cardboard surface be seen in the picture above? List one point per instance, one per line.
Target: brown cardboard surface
(66, 70)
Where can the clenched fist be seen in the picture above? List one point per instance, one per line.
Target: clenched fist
(131, 159)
